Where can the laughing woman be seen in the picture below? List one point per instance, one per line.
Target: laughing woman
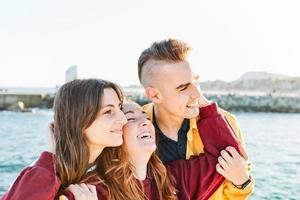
(87, 118)
(133, 171)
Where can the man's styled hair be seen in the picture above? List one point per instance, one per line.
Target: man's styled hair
(169, 51)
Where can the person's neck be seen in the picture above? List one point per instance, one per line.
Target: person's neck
(168, 124)
(95, 151)
(140, 163)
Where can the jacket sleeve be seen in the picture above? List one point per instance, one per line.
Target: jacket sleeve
(36, 182)
(197, 178)
(68, 194)
(230, 192)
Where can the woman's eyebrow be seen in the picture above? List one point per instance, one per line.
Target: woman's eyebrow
(129, 111)
(108, 105)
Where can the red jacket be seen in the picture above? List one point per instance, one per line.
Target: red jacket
(37, 182)
(196, 178)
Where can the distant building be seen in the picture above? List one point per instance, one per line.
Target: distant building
(71, 73)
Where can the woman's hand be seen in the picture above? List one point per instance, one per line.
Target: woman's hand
(51, 140)
(232, 166)
(82, 192)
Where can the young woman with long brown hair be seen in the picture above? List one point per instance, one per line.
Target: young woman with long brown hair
(133, 171)
(87, 118)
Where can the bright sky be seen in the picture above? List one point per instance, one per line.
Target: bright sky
(39, 40)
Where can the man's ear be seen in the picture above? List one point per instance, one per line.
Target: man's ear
(153, 94)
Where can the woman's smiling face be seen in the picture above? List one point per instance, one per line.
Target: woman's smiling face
(106, 130)
(139, 132)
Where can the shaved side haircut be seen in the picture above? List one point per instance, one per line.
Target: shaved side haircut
(165, 51)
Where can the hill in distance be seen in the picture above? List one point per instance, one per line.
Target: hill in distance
(257, 82)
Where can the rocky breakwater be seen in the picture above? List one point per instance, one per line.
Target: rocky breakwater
(256, 91)
(253, 92)
(256, 103)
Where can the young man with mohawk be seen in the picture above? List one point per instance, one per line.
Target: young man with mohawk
(170, 84)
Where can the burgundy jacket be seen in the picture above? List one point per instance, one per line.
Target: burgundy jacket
(196, 178)
(36, 182)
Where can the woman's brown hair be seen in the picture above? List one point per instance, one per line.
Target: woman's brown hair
(117, 174)
(75, 108)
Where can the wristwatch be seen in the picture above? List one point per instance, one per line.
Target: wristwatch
(244, 185)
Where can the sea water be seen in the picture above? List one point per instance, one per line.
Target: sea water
(272, 142)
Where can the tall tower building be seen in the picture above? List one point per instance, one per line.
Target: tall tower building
(71, 73)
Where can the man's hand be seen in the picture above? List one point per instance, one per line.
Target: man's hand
(232, 166)
(203, 101)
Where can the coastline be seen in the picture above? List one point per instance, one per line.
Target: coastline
(244, 101)
(231, 101)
